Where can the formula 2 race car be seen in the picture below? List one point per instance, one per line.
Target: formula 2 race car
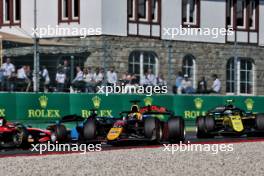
(17, 135)
(149, 123)
(83, 130)
(229, 120)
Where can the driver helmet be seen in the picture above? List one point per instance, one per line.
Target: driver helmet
(134, 109)
(228, 112)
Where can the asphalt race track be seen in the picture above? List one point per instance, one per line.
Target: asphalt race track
(190, 139)
(246, 158)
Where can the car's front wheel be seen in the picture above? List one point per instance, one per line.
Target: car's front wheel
(59, 133)
(205, 125)
(89, 129)
(259, 121)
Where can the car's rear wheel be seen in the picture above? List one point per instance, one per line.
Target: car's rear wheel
(205, 125)
(20, 137)
(59, 133)
(89, 129)
(176, 129)
(153, 129)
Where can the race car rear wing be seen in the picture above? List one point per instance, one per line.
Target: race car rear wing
(72, 118)
(159, 113)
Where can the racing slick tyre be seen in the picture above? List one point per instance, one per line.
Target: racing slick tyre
(89, 129)
(176, 129)
(204, 126)
(59, 133)
(20, 137)
(259, 123)
(152, 129)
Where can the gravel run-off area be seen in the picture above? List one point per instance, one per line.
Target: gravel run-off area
(245, 159)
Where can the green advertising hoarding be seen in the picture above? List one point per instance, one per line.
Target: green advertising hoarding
(192, 106)
(41, 107)
(8, 106)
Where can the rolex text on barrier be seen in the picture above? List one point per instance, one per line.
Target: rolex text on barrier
(46, 107)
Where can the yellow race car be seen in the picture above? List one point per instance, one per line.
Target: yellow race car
(229, 120)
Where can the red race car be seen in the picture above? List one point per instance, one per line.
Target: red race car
(17, 135)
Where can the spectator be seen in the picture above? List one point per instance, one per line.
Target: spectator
(216, 87)
(144, 80)
(8, 69)
(45, 77)
(89, 80)
(111, 77)
(60, 79)
(128, 79)
(134, 80)
(22, 79)
(186, 85)
(29, 76)
(202, 86)
(151, 78)
(123, 80)
(161, 81)
(77, 82)
(67, 71)
(99, 76)
(178, 84)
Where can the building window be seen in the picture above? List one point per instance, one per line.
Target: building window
(229, 13)
(144, 11)
(230, 76)
(252, 14)
(7, 11)
(65, 9)
(75, 9)
(141, 61)
(188, 67)
(242, 14)
(134, 64)
(17, 12)
(69, 10)
(11, 12)
(131, 9)
(244, 76)
(190, 12)
(155, 10)
(149, 62)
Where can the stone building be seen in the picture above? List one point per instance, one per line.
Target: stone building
(198, 37)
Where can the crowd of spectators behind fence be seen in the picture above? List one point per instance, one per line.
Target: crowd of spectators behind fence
(184, 85)
(88, 79)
